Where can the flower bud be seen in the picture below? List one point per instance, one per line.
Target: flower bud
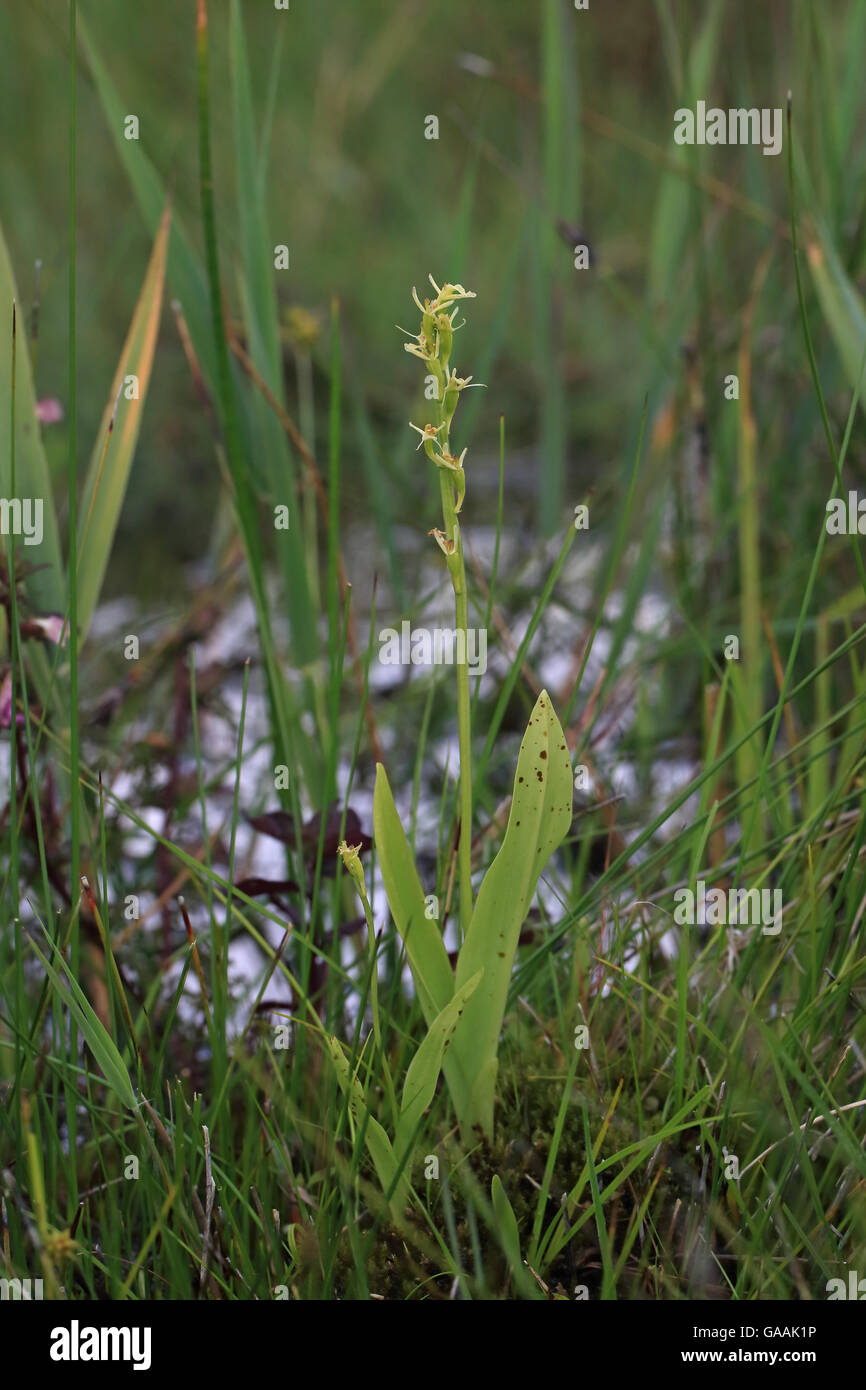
(352, 863)
(445, 331)
(460, 484)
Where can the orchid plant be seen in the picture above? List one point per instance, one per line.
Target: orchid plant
(464, 1009)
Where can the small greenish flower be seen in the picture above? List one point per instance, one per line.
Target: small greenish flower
(454, 384)
(449, 293)
(421, 345)
(447, 547)
(446, 460)
(420, 351)
(428, 434)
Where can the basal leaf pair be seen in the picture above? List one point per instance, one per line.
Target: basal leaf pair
(539, 820)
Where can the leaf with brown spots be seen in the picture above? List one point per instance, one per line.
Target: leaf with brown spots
(539, 821)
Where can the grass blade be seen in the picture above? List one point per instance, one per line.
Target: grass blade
(92, 1030)
(111, 461)
(428, 958)
(32, 477)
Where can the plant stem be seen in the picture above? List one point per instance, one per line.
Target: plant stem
(457, 570)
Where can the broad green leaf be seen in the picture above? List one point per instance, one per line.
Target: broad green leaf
(111, 460)
(506, 1224)
(420, 1084)
(431, 971)
(540, 816)
(472, 1082)
(92, 1030)
(377, 1141)
(32, 480)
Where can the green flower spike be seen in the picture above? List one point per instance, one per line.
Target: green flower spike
(438, 327)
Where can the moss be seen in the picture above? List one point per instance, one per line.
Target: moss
(408, 1265)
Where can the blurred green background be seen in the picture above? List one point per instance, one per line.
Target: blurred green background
(547, 115)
